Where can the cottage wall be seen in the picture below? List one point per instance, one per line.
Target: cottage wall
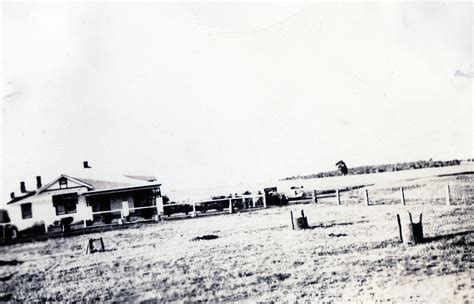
(116, 203)
(43, 210)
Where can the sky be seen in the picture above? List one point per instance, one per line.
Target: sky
(204, 94)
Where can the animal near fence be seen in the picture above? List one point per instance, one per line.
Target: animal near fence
(439, 194)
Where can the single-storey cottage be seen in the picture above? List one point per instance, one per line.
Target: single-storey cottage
(68, 200)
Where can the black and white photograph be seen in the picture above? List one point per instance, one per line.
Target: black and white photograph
(237, 151)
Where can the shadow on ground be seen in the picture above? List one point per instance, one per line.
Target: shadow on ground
(447, 237)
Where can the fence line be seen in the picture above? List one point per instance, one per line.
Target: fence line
(243, 199)
(122, 212)
(251, 201)
(117, 210)
(377, 196)
(440, 193)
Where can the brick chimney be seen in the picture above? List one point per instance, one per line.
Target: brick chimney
(86, 165)
(12, 195)
(38, 182)
(22, 187)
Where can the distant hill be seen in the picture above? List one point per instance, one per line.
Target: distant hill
(381, 168)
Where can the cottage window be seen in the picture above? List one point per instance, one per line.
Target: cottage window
(26, 211)
(62, 182)
(65, 203)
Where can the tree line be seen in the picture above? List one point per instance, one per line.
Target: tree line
(343, 170)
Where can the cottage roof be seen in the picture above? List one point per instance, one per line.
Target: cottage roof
(120, 185)
(19, 198)
(77, 181)
(112, 184)
(142, 177)
(97, 184)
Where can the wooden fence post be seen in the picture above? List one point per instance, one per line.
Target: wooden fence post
(230, 206)
(366, 197)
(194, 214)
(264, 200)
(292, 222)
(160, 209)
(253, 202)
(400, 228)
(402, 196)
(315, 196)
(448, 195)
(338, 197)
(122, 219)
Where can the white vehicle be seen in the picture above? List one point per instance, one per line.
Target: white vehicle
(296, 192)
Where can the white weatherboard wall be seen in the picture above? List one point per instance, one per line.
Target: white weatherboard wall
(39, 209)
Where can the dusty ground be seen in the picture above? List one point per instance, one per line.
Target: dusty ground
(352, 252)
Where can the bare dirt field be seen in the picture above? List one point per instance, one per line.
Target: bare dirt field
(351, 253)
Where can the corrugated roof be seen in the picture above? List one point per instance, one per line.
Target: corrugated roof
(99, 177)
(119, 182)
(103, 184)
(142, 177)
(124, 189)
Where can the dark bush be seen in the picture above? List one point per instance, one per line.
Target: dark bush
(147, 213)
(107, 218)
